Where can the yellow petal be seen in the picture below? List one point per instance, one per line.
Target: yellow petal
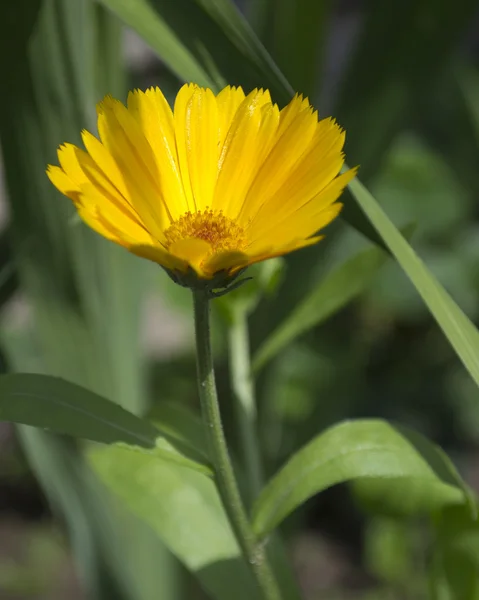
(224, 261)
(122, 136)
(267, 253)
(180, 118)
(155, 118)
(201, 139)
(62, 182)
(286, 153)
(248, 141)
(304, 221)
(122, 225)
(104, 187)
(68, 158)
(89, 215)
(160, 256)
(105, 162)
(317, 167)
(191, 250)
(304, 224)
(228, 102)
(291, 111)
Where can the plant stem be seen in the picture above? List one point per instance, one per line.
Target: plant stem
(253, 552)
(245, 402)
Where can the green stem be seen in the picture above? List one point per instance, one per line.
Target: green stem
(254, 553)
(245, 402)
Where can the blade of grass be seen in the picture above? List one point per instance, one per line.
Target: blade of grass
(459, 330)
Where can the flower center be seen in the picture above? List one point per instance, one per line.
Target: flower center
(222, 233)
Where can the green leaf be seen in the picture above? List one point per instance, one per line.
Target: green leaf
(180, 425)
(61, 407)
(348, 451)
(459, 330)
(386, 496)
(332, 293)
(184, 509)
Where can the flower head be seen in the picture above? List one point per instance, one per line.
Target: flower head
(211, 187)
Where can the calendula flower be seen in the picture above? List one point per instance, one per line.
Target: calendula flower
(211, 187)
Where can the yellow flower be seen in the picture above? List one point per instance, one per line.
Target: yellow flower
(211, 187)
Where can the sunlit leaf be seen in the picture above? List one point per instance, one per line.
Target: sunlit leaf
(352, 450)
(184, 510)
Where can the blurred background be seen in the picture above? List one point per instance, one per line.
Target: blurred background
(403, 78)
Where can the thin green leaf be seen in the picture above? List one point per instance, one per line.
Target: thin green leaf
(459, 330)
(351, 450)
(61, 407)
(333, 292)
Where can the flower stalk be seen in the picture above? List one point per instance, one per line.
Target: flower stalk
(240, 364)
(253, 552)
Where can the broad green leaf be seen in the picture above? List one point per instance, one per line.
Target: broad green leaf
(183, 508)
(459, 330)
(332, 293)
(185, 511)
(352, 450)
(61, 407)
